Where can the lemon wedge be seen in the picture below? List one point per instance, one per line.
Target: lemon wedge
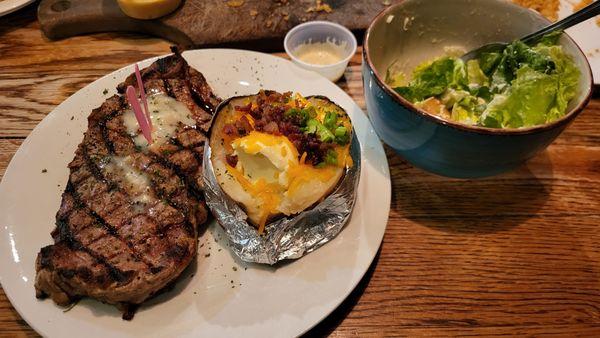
(148, 9)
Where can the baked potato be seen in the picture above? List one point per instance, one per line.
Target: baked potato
(279, 154)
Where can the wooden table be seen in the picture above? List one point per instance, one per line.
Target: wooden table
(517, 254)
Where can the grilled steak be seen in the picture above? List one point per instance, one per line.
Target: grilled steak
(128, 222)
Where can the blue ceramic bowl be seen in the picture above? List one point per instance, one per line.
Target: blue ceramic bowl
(415, 31)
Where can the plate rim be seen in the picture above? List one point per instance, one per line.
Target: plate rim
(13, 5)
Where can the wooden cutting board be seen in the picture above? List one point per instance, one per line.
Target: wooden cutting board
(254, 24)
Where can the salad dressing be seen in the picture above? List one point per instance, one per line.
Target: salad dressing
(321, 53)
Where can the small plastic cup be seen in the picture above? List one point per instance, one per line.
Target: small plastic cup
(321, 31)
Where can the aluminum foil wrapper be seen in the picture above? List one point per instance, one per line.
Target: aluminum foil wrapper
(287, 237)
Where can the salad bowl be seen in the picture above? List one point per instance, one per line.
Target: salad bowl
(415, 31)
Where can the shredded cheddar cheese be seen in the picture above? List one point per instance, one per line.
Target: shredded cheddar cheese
(269, 194)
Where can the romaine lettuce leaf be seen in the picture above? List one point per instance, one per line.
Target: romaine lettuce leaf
(526, 103)
(515, 56)
(451, 96)
(433, 78)
(568, 78)
(489, 61)
(483, 92)
(468, 109)
(476, 77)
(395, 79)
(550, 39)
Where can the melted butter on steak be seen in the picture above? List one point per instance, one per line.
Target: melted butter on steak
(167, 115)
(134, 181)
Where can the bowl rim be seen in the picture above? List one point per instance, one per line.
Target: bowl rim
(345, 60)
(567, 118)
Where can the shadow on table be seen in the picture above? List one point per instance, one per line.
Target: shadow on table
(18, 19)
(470, 206)
(329, 324)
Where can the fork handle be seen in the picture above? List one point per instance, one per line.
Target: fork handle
(586, 13)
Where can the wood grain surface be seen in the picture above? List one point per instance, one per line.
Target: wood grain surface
(207, 22)
(517, 254)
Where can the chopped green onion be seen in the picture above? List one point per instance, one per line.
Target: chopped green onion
(341, 135)
(330, 120)
(313, 126)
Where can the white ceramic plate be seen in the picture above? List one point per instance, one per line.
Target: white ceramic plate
(218, 296)
(587, 36)
(9, 6)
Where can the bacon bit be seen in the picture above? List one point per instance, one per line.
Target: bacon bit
(235, 3)
(272, 128)
(231, 160)
(139, 114)
(243, 126)
(245, 109)
(229, 129)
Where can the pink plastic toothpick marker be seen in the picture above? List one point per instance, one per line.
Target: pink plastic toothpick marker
(139, 114)
(138, 76)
